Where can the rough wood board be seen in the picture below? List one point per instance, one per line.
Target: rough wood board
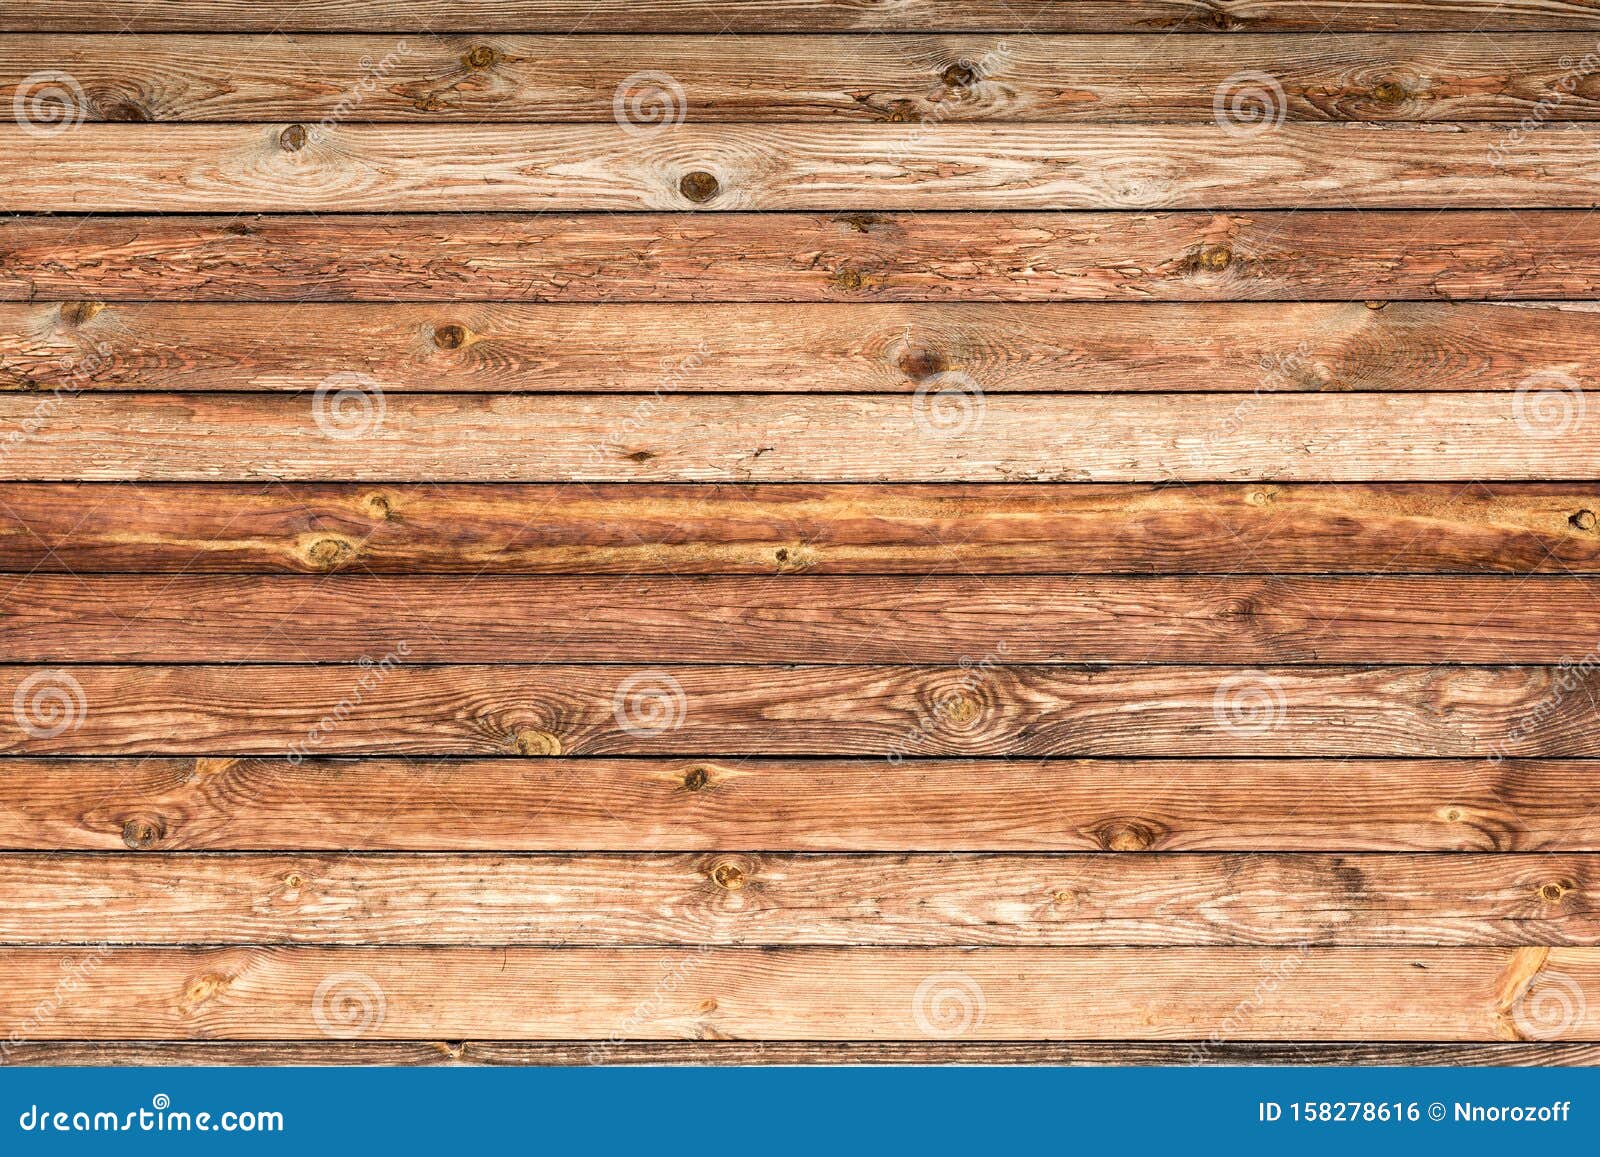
(894, 78)
(815, 805)
(1372, 619)
(885, 994)
(388, 707)
(730, 898)
(161, 528)
(847, 256)
(880, 167)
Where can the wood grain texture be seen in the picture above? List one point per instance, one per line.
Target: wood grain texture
(848, 529)
(818, 805)
(698, 1053)
(719, 16)
(749, 348)
(887, 167)
(800, 619)
(389, 708)
(936, 79)
(1105, 994)
(743, 899)
(1315, 254)
(350, 430)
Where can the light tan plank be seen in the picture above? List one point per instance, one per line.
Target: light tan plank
(1355, 994)
(381, 168)
(763, 899)
(866, 347)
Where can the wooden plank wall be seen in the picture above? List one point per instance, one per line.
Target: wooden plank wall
(756, 530)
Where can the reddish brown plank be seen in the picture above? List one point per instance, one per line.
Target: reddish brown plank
(867, 347)
(1427, 994)
(350, 430)
(388, 707)
(1314, 254)
(185, 168)
(695, 529)
(696, 79)
(819, 805)
(719, 16)
(835, 619)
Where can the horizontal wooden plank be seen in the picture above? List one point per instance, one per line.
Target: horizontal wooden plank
(1427, 994)
(693, 79)
(978, 710)
(391, 168)
(476, 1052)
(734, 529)
(711, 805)
(802, 619)
(744, 899)
(951, 430)
(867, 347)
(849, 257)
(720, 16)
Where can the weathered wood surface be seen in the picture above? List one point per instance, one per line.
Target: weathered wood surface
(482, 1052)
(818, 805)
(717, 16)
(803, 619)
(844, 529)
(751, 348)
(1004, 994)
(977, 710)
(727, 898)
(185, 168)
(695, 79)
(948, 431)
(1314, 254)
